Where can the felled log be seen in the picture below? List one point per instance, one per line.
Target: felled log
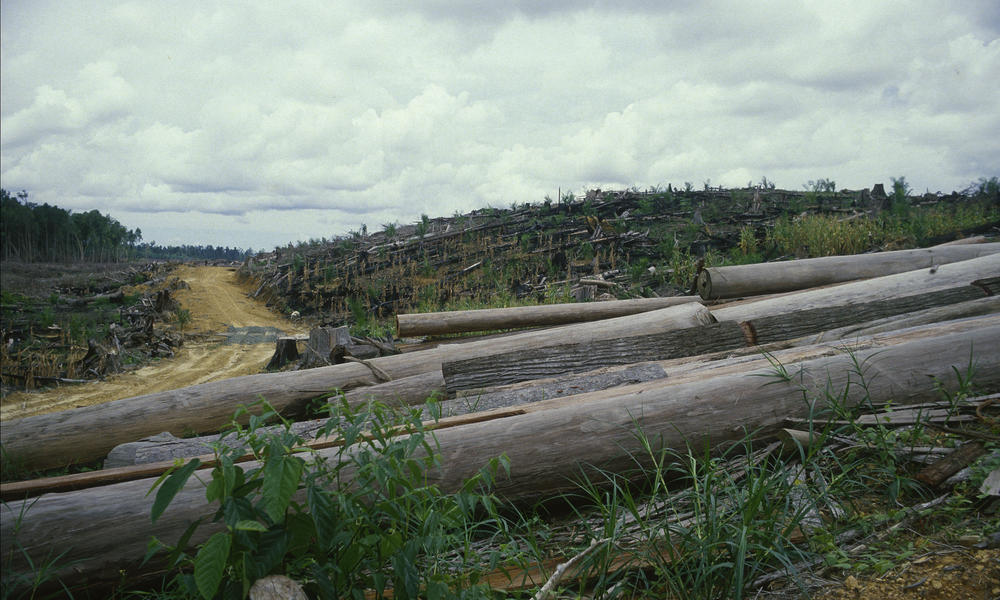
(106, 529)
(971, 308)
(879, 288)
(799, 323)
(63, 438)
(166, 447)
(554, 387)
(460, 321)
(535, 363)
(767, 278)
(680, 371)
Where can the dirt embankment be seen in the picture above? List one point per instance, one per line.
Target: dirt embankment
(217, 347)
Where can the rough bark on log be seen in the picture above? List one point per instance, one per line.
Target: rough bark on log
(525, 365)
(880, 288)
(59, 439)
(765, 278)
(951, 312)
(106, 529)
(546, 389)
(461, 321)
(805, 322)
(535, 363)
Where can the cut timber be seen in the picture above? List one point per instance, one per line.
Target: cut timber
(59, 439)
(680, 371)
(766, 278)
(555, 387)
(461, 321)
(166, 447)
(105, 530)
(535, 363)
(880, 288)
(972, 308)
(799, 323)
(406, 391)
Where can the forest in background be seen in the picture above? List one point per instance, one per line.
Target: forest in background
(46, 233)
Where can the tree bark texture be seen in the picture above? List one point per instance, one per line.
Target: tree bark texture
(536, 363)
(767, 278)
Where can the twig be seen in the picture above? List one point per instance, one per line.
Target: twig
(379, 373)
(560, 571)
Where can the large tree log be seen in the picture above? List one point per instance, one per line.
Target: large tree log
(460, 321)
(105, 530)
(62, 438)
(765, 278)
(972, 308)
(774, 328)
(869, 290)
(680, 371)
(535, 363)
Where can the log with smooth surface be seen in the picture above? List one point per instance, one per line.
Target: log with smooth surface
(63, 438)
(104, 530)
(487, 319)
(767, 278)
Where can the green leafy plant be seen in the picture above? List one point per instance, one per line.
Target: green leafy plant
(183, 317)
(383, 529)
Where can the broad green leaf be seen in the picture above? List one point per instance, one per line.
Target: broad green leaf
(250, 525)
(281, 479)
(171, 486)
(324, 515)
(210, 563)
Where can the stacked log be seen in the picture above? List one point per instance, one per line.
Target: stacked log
(59, 439)
(546, 445)
(767, 278)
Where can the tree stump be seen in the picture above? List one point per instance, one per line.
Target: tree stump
(326, 346)
(285, 351)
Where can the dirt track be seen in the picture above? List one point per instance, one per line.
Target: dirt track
(217, 302)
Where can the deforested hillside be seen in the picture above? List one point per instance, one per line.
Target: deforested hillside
(620, 244)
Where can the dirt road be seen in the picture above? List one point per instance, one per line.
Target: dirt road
(218, 305)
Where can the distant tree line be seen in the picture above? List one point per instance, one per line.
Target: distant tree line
(46, 233)
(187, 252)
(36, 233)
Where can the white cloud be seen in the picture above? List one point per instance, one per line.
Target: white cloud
(325, 115)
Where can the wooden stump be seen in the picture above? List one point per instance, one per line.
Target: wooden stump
(286, 350)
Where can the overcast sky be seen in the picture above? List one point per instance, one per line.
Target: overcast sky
(257, 123)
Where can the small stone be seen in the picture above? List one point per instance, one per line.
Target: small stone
(277, 587)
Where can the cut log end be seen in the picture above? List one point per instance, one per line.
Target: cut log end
(705, 285)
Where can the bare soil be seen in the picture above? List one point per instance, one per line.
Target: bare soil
(217, 302)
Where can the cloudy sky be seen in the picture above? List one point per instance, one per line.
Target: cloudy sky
(257, 123)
